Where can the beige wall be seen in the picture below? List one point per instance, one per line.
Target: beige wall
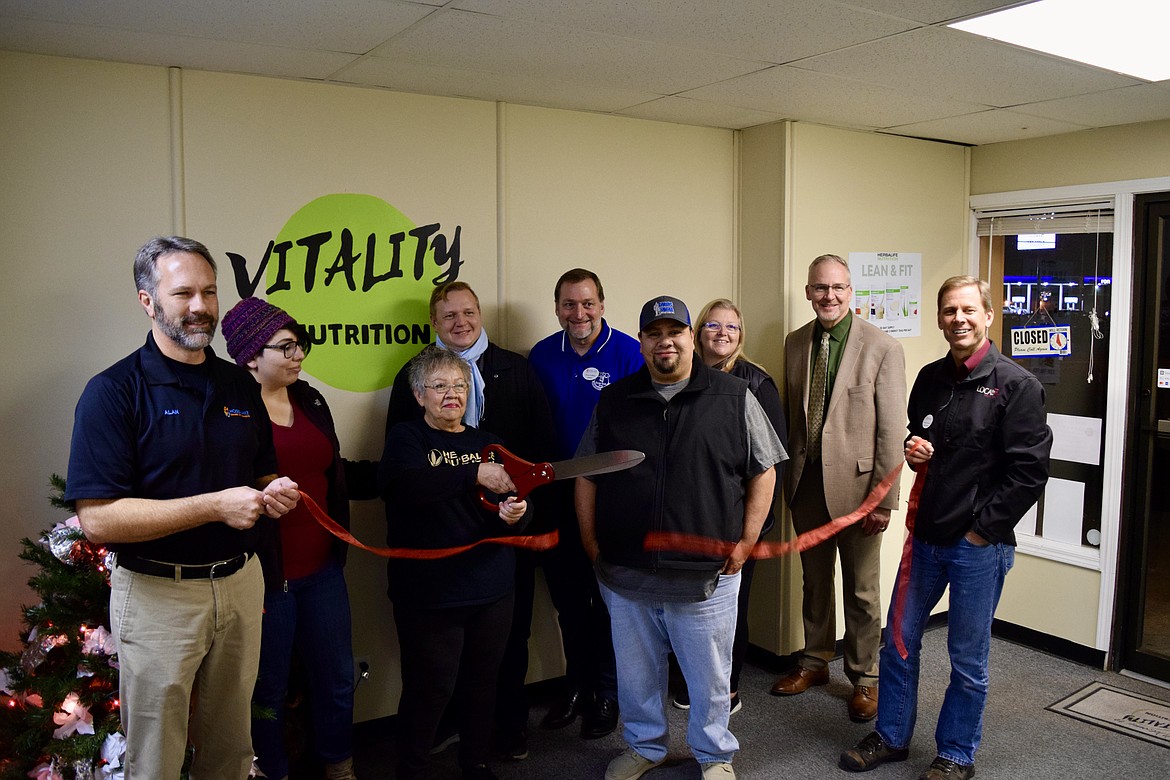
(86, 179)
(1053, 598)
(88, 160)
(647, 206)
(847, 192)
(1138, 151)
(774, 612)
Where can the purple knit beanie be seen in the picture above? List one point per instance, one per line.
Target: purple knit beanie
(249, 326)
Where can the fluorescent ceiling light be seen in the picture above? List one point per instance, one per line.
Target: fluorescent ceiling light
(1126, 36)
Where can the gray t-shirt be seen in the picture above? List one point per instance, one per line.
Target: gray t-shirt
(762, 452)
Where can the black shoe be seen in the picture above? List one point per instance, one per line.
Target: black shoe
(601, 721)
(565, 711)
(945, 769)
(444, 740)
(682, 701)
(479, 772)
(870, 753)
(513, 745)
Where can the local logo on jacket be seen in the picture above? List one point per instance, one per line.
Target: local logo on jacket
(990, 392)
(451, 458)
(599, 379)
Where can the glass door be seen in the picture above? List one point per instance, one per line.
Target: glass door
(1144, 598)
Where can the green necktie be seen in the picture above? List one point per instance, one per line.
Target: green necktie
(816, 398)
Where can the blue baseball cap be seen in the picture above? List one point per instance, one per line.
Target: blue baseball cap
(664, 307)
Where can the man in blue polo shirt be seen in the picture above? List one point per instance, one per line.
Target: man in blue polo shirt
(574, 366)
(172, 467)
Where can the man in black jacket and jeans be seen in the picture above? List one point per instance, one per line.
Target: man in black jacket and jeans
(977, 423)
(708, 473)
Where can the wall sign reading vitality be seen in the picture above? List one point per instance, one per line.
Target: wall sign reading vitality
(358, 274)
(1042, 341)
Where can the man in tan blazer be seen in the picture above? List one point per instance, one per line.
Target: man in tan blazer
(862, 381)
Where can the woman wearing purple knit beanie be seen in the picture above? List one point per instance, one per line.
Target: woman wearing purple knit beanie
(306, 604)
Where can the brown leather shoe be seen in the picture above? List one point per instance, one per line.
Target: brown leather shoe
(945, 769)
(799, 680)
(863, 705)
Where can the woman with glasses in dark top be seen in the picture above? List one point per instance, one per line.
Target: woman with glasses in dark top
(452, 613)
(306, 604)
(719, 344)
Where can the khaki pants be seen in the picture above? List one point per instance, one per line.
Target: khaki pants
(860, 587)
(183, 643)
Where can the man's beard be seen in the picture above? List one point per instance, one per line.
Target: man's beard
(584, 331)
(667, 364)
(176, 330)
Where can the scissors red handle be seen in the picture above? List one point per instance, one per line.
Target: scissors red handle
(525, 476)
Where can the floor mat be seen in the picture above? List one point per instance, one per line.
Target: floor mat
(1119, 710)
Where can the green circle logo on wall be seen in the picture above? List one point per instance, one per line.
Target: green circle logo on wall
(358, 274)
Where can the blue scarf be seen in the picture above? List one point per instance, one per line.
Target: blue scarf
(475, 401)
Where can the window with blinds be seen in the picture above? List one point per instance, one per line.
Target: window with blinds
(1050, 271)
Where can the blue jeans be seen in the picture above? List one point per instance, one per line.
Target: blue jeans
(701, 636)
(312, 618)
(975, 575)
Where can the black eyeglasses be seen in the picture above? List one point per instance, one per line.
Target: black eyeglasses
(289, 348)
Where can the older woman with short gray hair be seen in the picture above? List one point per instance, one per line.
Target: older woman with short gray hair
(452, 613)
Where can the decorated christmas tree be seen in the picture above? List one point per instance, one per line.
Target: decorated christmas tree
(59, 695)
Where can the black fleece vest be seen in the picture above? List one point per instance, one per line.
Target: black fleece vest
(693, 478)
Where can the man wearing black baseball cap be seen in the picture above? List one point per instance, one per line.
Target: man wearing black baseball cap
(708, 473)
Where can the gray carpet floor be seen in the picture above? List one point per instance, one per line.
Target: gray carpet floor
(800, 737)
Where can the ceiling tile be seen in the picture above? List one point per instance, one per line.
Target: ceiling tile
(752, 29)
(932, 11)
(167, 50)
(861, 64)
(526, 88)
(686, 111)
(354, 26)
(1144, 103)
(819, 97)
(986, 127)
(950, 63)
(477, 42)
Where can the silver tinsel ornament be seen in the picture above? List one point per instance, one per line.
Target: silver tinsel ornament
(60, 542)
(32, 657)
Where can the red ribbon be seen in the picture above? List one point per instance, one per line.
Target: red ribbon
(538, 542)
(904, 565)
(717, 548)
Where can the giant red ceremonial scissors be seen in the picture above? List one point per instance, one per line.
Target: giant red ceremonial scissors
(529, 476)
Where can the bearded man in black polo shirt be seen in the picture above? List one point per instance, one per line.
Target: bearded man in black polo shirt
(172, 467)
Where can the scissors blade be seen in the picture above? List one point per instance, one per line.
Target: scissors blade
(601, 463)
